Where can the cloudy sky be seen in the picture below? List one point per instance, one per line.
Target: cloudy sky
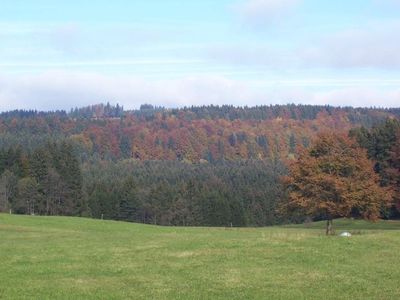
(62, 54)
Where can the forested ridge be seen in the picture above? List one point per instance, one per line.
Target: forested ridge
(198, 133)
(209, 165)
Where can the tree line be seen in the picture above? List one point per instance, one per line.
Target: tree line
(50, 181)
(47, 181)
(212, 133)
(242, 193)
(173, 170)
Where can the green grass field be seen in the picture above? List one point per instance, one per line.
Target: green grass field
(76, 258)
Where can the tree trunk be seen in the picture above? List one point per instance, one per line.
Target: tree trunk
(329, 226)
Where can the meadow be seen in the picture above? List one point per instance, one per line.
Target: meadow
(78, 258)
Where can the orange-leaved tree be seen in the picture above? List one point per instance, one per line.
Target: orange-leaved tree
(334, 178)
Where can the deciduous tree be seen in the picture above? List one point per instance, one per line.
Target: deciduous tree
(334, 178)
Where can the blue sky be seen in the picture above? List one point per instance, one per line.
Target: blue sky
(60, 54)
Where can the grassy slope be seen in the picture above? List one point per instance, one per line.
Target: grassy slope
(73, 258)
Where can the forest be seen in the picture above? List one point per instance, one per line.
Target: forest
(193, 166)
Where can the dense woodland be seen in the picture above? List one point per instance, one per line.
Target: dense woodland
(210, 165)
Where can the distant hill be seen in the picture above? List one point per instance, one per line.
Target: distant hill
(197, 166)
(204, 133)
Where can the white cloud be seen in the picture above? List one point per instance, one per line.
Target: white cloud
(66, 38)
(261, 12)
(253, 55)
(359, 97)
(374, 46)
(98, 63)
(61, 41)
(63, 90)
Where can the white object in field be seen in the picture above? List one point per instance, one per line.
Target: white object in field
(345, 233)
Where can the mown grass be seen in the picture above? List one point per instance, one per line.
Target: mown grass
(76, 258)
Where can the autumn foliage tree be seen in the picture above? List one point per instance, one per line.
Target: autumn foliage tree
(334, 178)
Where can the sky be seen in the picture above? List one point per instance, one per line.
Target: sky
(174, 53)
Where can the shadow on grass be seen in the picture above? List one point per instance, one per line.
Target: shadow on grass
(355, 227)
